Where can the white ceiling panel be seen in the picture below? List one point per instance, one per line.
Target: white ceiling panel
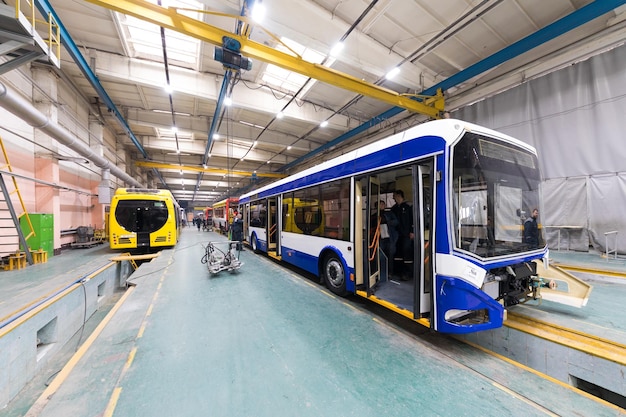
(431, 41)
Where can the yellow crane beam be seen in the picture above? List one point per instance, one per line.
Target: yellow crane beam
(217, 171)
(169, 18)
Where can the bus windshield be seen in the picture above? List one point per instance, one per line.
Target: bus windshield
(141, 215)
(495, 189)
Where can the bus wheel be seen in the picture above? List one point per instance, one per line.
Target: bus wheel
(334, 274)
(255, 248)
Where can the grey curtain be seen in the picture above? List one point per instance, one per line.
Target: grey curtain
(576, 118)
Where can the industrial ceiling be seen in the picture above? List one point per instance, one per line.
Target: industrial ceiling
(470, 49)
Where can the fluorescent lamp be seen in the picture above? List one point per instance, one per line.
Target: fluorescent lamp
(258, 12)
(336, 50)
(391, 74)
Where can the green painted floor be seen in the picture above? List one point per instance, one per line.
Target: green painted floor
(267, 342)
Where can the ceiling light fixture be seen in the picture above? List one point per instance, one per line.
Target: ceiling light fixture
(228, 101)
(280, 115)
(258, 12)
(251, 124)
(392, 73)
(336, 50)
(324, 123)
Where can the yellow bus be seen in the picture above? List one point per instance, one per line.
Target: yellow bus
(303, 215)
(143, 219)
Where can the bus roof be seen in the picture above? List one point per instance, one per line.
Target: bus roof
(223, 202)
(447, 129)
(143, 191)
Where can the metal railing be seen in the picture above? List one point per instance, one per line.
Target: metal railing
(54, 31)
(606, 244)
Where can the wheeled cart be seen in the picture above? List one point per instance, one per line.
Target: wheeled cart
(222, 256)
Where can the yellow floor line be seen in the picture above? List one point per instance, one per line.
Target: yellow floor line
(544, 376)
(108, 412)
(49, 294)
(594, 271)
(43, 399)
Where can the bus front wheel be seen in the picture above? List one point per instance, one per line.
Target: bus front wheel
(334, 275)
(255, 247)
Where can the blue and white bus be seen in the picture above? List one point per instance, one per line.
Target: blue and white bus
(469, 190)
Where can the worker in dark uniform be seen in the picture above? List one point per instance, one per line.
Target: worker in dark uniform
(531, 230)
(237, 230)
(388, 235)
(404, 252)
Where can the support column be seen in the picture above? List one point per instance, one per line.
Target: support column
(121, 162)
(142, 177)
(103, 188)
(47, 199)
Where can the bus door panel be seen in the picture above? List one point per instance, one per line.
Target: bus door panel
(246, 219)
(143, 239)
(272, 224)
(357, 230)
(373, 233)
(422, 242)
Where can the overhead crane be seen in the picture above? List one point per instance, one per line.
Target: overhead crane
(169, 18)
(159, 165)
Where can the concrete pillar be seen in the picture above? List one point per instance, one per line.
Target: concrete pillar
(47, 199)
(103, 188)
(121, 158)
(142, 177)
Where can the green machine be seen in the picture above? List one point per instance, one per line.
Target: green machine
(43, 225)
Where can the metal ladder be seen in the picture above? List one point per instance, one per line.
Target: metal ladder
(10, 243)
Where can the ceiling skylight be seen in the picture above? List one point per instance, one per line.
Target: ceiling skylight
(172, 133)
(292, 81)
(143, 39)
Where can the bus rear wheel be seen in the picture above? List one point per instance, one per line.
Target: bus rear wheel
(334, 275)
(254, 245)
